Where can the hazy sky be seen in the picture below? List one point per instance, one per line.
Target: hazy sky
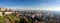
(30, 4)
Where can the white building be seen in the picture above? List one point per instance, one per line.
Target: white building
(6, 11)
(1, 14)
(2, 9)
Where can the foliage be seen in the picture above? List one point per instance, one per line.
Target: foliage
(15, 19)
(1, 19)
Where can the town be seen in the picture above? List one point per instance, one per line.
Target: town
(27, 16)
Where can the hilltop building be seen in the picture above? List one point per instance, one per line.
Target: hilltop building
(5, 11)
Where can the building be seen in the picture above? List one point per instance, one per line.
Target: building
(1, 14)
(4, 11)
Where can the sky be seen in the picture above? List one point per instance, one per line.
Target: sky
(31, 4)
